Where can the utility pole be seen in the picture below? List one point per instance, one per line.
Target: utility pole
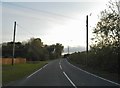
(86, 39)
(14, 43)
(68, 49)
(119, 7)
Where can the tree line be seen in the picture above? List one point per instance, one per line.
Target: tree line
(105, 49)
(33, 50)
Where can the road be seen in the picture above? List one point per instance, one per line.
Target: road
(61, 73)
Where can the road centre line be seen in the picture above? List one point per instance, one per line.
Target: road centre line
(69, 79)
(67, 76)
(94, 74)
(36, 71)
(60, 67)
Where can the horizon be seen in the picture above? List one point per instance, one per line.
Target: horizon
(52, 22)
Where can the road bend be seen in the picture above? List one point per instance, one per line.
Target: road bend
(61, 73)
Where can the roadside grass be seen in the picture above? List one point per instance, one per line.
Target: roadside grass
(18, 71)
(105, 74)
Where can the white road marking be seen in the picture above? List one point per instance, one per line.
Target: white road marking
(60, 67)
(67, 61)
(94, 75)
(36, 71)
(44, 66)
(69, 79)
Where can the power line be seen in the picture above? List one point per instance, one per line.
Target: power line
(38, 18)
(25, 30)
(37, 10)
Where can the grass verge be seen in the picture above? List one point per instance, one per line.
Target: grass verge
(18, 71)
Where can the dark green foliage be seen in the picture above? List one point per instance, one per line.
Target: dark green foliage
(58, 50)
(104, 59)
(78, 57)
(32, 50)
(7, 49)
(66, 55)
(105, 50)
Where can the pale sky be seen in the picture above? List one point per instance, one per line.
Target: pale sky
(53, 22)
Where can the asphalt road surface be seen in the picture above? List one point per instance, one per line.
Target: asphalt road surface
(61, 73)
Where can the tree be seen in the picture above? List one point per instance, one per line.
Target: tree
(55, 51)
(35, 49)
(58, 50)
(7, 49)
(51, 50)
(107, 38)
(107, 30)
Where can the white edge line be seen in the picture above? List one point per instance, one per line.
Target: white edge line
(37, 71)
(95, 75)
(44, 66)
(69, 79)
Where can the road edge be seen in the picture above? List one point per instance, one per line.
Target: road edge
(93, 74)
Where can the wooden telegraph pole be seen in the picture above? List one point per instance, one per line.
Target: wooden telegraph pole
(14, 43)
(86, 39)
(68, 49)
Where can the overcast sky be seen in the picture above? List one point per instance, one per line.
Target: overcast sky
(53, 22)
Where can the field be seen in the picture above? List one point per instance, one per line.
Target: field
(18, 71)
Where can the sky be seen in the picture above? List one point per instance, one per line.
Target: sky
(53, 22)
